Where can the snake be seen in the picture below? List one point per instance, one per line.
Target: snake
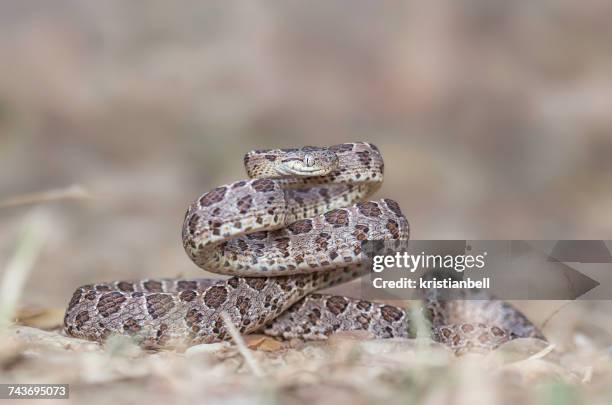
(293, 227)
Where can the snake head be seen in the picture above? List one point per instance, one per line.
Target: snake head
(307, 161)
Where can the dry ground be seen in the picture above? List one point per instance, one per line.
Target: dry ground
(344, 369)
(493, 118)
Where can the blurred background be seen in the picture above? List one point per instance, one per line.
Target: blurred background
(494, 117)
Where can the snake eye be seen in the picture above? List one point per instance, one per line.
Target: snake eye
(309, 160)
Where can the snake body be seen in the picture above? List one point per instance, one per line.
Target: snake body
(294, 227)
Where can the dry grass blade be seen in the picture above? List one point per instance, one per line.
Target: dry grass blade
(421, 327)
(18, 268)
(74, 192)
(553, 314)
(244, 350)
(542, 353)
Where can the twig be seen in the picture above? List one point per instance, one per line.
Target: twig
(244, 350)
(552, 314)
(542, 353)
(18, 268)
(74, 192)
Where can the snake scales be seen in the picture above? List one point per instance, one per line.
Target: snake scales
(294, 227)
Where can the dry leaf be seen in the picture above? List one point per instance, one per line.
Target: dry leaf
(265, 343)
(42, 318)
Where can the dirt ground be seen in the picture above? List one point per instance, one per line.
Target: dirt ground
(493, 118)
(346, 369)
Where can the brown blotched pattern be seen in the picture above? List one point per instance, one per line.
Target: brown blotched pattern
(110, 303)
(213, 196)
(303, 232)
(152, 286)
(263, 185)
(336, 305)
(369, 209)
(159, 305)
(215, 296)
(303, 226)
(337, 218)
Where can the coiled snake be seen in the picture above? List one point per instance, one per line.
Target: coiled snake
(294, 227)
